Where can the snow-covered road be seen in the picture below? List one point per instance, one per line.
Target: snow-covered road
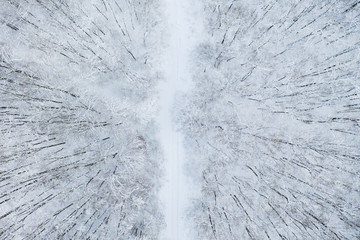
(185, 27)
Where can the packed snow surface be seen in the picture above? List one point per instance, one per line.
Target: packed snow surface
(184, 32)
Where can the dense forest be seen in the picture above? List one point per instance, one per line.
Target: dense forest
(78, 158)
(270, 125)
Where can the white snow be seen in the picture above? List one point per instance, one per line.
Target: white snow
(185, 30)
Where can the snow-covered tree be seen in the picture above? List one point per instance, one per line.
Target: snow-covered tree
(78, 157)
(272, 126)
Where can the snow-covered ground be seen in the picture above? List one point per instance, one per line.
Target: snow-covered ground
(184, 31)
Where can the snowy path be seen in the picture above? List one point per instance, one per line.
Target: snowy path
(184, 27)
